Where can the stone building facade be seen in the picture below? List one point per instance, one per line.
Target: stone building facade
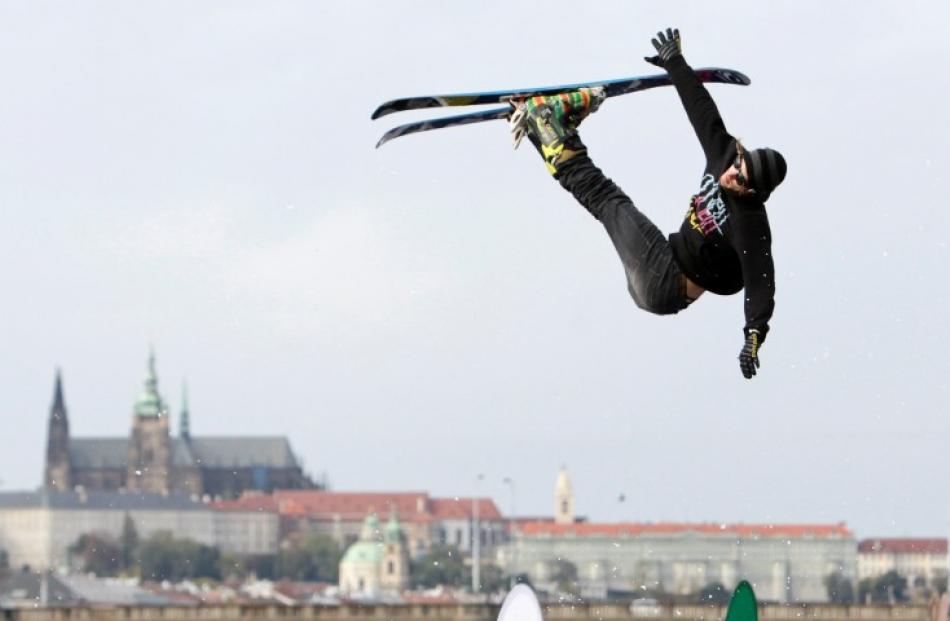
(424, 520)
(37, 528)
(922, 561)
(785, 562)
(152, 460)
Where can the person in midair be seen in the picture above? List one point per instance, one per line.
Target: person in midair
(724, 244)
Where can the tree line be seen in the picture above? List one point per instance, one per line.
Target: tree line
(316, 558)
(888, 588)
(164, 557)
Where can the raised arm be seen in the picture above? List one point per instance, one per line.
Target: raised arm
(698, 103)
(753, 243)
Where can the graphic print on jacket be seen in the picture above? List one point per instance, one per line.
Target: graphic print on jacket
(707, 211)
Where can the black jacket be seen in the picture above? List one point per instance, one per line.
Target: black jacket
(725, 243)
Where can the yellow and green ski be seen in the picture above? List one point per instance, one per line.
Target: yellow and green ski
(612, 88)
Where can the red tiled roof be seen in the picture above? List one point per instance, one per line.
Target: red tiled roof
(461, 508)
(410, 506)
(415, 507)
(248, 502)
(634, 529)
(530, 519)
(903, 546)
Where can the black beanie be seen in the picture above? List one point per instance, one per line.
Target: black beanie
(766, 170)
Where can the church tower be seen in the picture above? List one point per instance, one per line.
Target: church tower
(563, 499)
(57, 442)
(186, 470)
(394, 572)
(184, 423)
(149, 452)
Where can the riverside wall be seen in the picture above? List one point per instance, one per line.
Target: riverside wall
(459, 612)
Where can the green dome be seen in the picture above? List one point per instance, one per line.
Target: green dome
(393, 531)
(370, 530)
(364, 552)
(368, 549)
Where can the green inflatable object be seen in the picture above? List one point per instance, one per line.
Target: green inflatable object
(742, 606)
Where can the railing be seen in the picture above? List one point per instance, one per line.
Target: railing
(458, 612)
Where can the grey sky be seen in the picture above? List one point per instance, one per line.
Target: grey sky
(202, 176)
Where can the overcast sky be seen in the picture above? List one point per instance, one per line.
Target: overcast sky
(202, 177)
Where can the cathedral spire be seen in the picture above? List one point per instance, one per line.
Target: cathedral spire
(57, 474)
(184, 424)
(149, 403)
(149, 463)
(59, 404)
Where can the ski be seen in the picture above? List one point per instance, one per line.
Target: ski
(446, 121)
(620, 86)
(743, 606)
(613, 88)
(521, 604)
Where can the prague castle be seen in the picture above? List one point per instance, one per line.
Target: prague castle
(152, 460)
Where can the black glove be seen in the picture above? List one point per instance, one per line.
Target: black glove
(667, 47)
(749, 356)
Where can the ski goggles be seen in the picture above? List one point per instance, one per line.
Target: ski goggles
(740, 178)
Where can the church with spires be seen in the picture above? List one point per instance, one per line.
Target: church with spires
(152, 460)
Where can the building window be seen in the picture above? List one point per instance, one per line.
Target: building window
(391, 568)
(259, 478)
(458, 536)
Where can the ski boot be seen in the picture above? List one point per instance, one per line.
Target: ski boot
(551, 122)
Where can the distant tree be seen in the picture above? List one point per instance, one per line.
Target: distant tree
(325, 555)
(939, 583)
(885, 589)
(157, 557)
(442, 565)
(839, 589)
(493, 579)
(316, 558)
(714, 593)
(162, 557)
(564, 574)
(231, 567)
(921, 593)
(96, 553)
(293, 564)
(129, 543)
(204, 560)
(523, 579)
(261, 566)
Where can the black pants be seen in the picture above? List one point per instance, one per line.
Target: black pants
(654, 280)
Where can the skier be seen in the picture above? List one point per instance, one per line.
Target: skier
(724, 243)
